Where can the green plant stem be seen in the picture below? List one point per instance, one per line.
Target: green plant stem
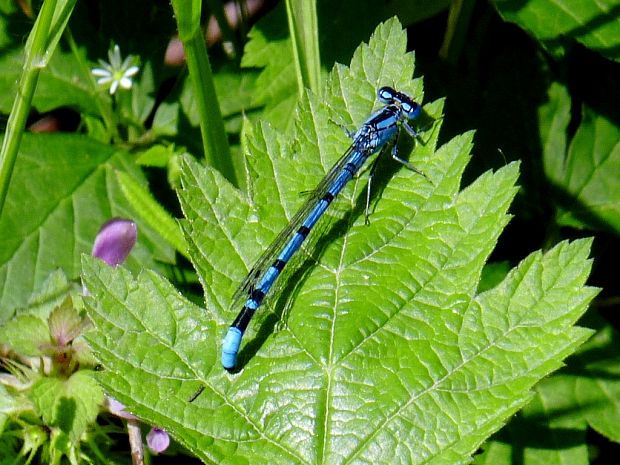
(214, 140)
(23, 99)
(214, 137)
(458, 22)
(49, 26)
(15, 130)
(303, 27)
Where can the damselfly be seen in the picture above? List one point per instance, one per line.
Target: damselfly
(377, 132)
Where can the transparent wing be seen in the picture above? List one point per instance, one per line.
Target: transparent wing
(272, 252)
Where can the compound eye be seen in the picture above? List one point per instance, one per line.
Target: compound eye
(386, 95)
(411, 109)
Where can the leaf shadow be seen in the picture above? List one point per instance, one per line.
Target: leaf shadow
(66, 414)
(581, 211)
(584, 363)
(524, 433)
(534, 432)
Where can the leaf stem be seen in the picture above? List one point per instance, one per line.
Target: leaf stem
(303, 27)
(458, 22)
(214, 139)
(35, 60)
(45, 34)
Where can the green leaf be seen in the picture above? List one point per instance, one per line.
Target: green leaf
(591, 174)
(554, 118)
(597, 389)
(303, 31)
(62, 190)
(8, 407)
(552, 428)
(156, 156)
(61, 83)
(26, 335)
(156, 329)
(552, 22)
(548, 430)
(65, 323)
(269, 48)
(235, 94)
(384, 351)
(52, 293)
(215, 144)
(152, 212)
(71, 405)
(585, 180)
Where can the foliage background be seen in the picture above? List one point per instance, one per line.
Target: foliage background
(537, 80)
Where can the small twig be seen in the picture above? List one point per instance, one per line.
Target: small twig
(135, 442)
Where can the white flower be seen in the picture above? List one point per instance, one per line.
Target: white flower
(117, 72)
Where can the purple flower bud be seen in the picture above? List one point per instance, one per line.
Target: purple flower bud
(157, 440)
(115, 240)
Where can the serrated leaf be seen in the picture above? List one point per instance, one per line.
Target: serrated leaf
(584, 177)
(62, 190)
(52, 292)
(594, 24)
(155, 329)
(591, 174)
(69, 404)
(269, 48)
(554, 119)
(552, 429)
(384, 352)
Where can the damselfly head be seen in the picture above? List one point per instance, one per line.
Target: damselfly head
(386, 95)
(410, 108)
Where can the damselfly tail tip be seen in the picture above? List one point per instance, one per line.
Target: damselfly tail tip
(230, 347)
